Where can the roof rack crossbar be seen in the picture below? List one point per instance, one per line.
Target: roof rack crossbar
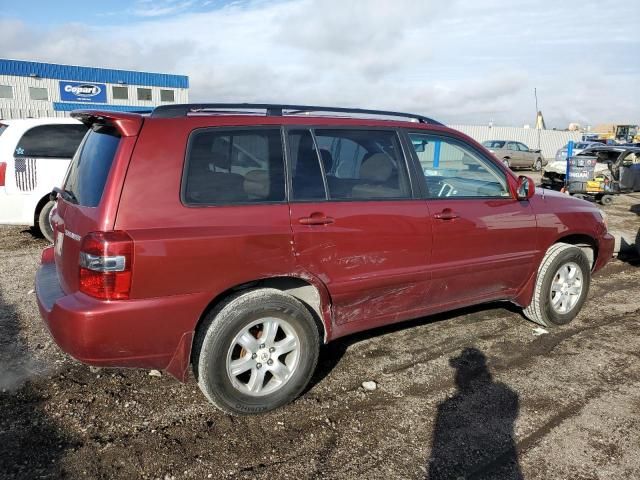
(276, 110)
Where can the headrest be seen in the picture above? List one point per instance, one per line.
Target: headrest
(376, 168)
(256, 184)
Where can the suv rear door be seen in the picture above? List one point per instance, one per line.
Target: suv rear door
(91, 189)
(356, 224)
(528, 157)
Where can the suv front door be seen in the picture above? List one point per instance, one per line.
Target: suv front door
(484, 239)
(356, 224)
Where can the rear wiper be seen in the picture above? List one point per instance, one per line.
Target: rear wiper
(67, 195)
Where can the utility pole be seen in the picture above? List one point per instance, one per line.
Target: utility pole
(535, 94)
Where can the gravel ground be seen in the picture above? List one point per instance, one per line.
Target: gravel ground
(477, 393)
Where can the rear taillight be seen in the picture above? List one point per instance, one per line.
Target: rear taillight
(105, 265)
(3, 173)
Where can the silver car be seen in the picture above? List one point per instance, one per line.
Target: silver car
(578, 147)
(516, 154)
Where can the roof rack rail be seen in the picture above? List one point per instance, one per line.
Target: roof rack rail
(276, 110)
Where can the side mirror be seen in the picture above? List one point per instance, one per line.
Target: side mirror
(419, 145)
(526, 188)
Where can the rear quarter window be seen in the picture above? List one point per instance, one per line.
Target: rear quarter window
(90, 167)
(234, 166)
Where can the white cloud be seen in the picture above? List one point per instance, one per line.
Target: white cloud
(459, 62)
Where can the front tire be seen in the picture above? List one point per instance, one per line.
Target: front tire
(256, 352)
(44, 221)
(606, 200)
(561, 286)
(506, 162)
(538, 165)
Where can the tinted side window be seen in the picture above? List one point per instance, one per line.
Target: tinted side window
(453, 169)
(120, 93)
(51, 141)
(90, 166)
(363, 164)
(6, 91)
(38, 93)
(144, 94)
(166, 96)
(306, 175)
(234, 166)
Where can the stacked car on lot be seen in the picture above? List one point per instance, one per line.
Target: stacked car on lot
(516, 154)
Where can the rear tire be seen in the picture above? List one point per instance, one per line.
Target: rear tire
(44, 224)
(606, 200)
(256, 352)
(506, 162)
(561, 286)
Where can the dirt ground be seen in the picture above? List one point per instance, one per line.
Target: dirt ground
(480, 391)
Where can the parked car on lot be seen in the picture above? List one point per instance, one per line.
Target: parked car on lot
(561, 154)
(176, 253)
(34, 156)
(516, 154)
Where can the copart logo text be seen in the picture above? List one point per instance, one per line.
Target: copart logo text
(86, 90)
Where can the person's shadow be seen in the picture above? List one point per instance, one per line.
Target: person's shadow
(473, 435)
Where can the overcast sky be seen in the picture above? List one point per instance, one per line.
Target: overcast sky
(460, 61)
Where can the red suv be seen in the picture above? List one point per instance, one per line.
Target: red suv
(238, 238)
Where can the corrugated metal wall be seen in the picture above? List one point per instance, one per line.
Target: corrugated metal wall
(550, 140)
(91, 74)
(21, 106)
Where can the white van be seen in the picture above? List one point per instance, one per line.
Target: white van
(34, 156)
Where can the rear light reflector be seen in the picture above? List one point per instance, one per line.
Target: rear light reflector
(105, 265)
(3, 173)
(47, 256)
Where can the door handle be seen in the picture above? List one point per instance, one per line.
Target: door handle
(316, 218)
(446, 214)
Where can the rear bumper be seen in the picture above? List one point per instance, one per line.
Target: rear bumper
(149, 333)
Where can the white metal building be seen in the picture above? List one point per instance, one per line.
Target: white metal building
(35, 89)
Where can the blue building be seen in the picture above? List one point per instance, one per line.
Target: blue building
(35, 89)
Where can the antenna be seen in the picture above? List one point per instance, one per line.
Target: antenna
(538, 127)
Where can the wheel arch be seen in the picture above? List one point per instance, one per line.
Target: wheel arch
(39, 206)
(309, 291)
(586, 243)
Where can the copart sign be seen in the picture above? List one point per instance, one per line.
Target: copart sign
(83, 92)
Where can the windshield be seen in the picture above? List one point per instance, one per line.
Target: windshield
(493, 144)
(91, 165)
